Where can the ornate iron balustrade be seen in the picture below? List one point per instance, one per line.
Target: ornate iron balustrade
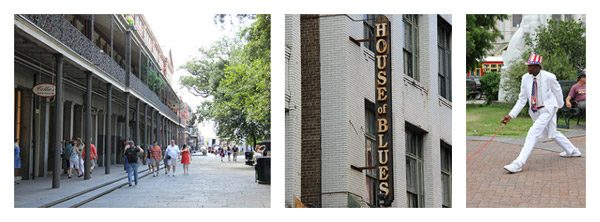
(141, 88)
(60, 28)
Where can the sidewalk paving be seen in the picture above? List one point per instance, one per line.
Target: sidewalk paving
(211, 183)
(547, 180)
(37, 192)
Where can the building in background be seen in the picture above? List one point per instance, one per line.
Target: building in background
(96, 75)
(333, 111)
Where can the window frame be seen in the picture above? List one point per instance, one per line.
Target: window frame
(410, 49)
(371, 179)
(415, 139)
(446, 170)
(444, 44)
(369, 31)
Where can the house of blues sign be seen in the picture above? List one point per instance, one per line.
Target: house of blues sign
(383, 92)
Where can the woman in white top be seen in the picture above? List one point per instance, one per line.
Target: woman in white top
(258, 152)
(75, 161)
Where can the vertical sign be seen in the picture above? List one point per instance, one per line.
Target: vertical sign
(383, 93)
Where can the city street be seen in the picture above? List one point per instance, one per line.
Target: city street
(547, 180)
(211, 183)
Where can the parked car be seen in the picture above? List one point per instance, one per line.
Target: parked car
(474, 90)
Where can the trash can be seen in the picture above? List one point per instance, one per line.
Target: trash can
(263, 170)
(249, 160)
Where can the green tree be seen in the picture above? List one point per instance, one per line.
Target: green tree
(235, 74)
(561, 38)
(208, 68)
(489, 85)
(481, 33)
(562, 45)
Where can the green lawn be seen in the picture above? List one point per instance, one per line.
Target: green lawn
(484, 121)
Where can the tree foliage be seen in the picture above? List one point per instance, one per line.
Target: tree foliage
(481, 33)
(564, 39)
(562, 45)
(489, 85)
(235, 74)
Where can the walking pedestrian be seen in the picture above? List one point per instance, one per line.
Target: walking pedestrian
(93, 156)
(228, 153)
(148, 158)
(132, 153)
(156, 154)
(542, 91)
(17, 159)
(123, 157)
(68, 151)
(65, 156)
(75, 160)
(186, 158)
(235, 153)
(172, 154)
(165, 160)
(221, 153)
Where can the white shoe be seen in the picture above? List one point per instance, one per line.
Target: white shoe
(575, 153)
(513, 167)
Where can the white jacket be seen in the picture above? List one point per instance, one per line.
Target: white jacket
(550, 91)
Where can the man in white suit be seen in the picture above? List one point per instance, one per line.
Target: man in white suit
(542, 91)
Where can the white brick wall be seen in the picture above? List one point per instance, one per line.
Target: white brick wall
(293, 116)
(361, 82)
(347, 79)
(334, 130)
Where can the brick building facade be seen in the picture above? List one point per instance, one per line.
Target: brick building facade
(331, 153)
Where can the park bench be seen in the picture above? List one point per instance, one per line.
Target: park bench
(566, 113)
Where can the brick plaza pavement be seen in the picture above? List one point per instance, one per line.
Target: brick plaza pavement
(547, 180)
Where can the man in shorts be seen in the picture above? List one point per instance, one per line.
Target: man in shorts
(155, 158)
(172, 154)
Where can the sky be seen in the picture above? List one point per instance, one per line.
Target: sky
(184, 39)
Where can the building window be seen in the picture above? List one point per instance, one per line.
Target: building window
(446, 161)
(516, 20)
(371, 152)
(411, 49)
(369, 31)
(444, 59)
(414, 169)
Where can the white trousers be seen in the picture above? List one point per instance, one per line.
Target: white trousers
(544, 119)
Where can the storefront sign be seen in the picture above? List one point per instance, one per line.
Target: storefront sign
(383, 94)
(44, 90)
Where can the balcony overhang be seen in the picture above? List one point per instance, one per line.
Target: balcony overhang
(78, 60)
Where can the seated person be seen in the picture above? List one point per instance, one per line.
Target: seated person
(577, 93)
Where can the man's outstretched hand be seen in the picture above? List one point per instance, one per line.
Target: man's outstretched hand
(506, 119)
